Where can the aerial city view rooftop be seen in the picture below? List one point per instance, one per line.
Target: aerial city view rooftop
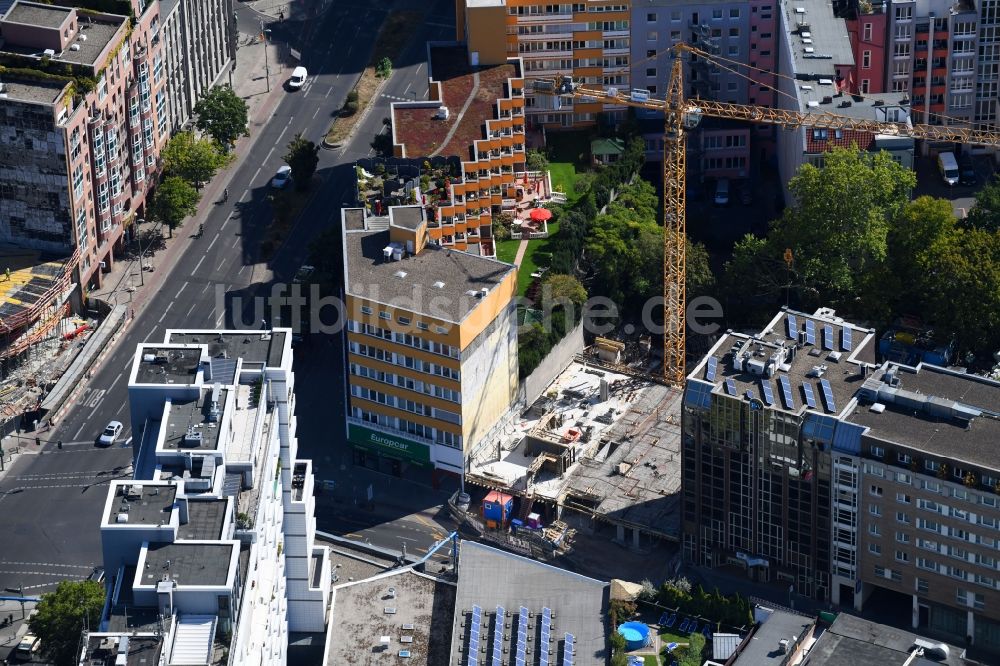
(490, 332)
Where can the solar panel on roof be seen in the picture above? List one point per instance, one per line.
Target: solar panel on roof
(546, 637)
(498, 636)
(793, 324)
(824, 385)
(786, 391)
(845, 339)
(568, 650)
(828, 338)
(766, 392)
(810, 396)
(522, 635)
(477, 615)
(711, 369)
(810, 332)
(730, 386)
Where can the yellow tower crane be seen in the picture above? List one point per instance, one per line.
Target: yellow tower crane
(682, 115)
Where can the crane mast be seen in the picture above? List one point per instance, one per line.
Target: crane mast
(674, 230)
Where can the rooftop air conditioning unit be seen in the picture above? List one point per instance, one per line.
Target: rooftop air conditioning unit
(74, 47)
(442, 114)
(49, 52)
(82, 37)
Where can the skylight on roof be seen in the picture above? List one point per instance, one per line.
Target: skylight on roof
(439, 285)
(826, 82)
(400, 274)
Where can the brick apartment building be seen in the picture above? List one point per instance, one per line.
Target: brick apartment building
(867, 31)
(808, 462)
(589, 41)
(82, 120)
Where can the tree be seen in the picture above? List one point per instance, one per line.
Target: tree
(193, 159)
(173, 200)
(837, 227)
(699, 276)
(384, 68)
(352, 103)
(536, 160)
(691, 655)
(382, 143)
(62, 615)
(223, 115)
(302, 156)
(985, 213)
(559, 290)
(501, 226)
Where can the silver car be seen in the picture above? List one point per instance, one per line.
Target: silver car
(110, 434)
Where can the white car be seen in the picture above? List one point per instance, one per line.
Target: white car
(110, 433)
(282, 178)
(298, 79)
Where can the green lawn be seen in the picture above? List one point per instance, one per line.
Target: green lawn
(668, 636)
(564, 180)
(507, 251)
(650, 660)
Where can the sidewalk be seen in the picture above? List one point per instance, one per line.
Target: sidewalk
(122, 283)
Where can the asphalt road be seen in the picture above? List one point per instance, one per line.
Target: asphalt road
(50, 500)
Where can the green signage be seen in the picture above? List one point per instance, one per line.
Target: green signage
(389, 445)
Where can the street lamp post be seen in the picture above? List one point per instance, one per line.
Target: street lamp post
(267, 69)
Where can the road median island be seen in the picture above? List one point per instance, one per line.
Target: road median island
(392, 38)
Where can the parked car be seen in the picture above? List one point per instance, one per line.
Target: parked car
(722, 192)
(97, 575)
(298, 79)
(110, 433)
(967, 171)
(303, 274)
(282, 178)
(28, 647)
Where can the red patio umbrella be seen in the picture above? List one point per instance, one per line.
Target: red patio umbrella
(540, 214)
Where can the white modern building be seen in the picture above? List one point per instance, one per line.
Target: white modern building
(210, 549)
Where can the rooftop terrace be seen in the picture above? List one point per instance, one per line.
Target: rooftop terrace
(139, 651)
(461, 85)
(256, 348)
(436, 277)
(189, 563)
(99, 30)
(419, 622)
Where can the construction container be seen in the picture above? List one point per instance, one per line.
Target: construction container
(497, 507)
(534, 521)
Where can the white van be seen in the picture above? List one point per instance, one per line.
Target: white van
(298, 79)
(948, 166)
(28, 647)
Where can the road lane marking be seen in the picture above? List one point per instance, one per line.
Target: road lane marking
(198, 265)
(269, 153)
(315, 113)
(328, 92)
(218, 322)
(178, 294)
(285, 129)
(193, 306)
(226, 221)
(165, 311)
(213, 241)
(255, 174)
(235, 243)
(221, 264)
(115, 382)
(121, 407)
(77, 435)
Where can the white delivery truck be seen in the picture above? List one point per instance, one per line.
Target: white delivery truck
(948, 166)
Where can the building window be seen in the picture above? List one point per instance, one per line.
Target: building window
(902, 556)
(385, 315)
(405, 321)
(651, 71)
(922, 585)
(903, 477)
(874, 549)
(873, 529)
(866, 60)
(875, 509)
(865, 84)
(902, 518)
(897, 576)
(651, 17)
(716, 14)
(734, 32)
(867, 32)
(931, 465)
(819, 134)
(902, 537)
(675, 16)
(734, 12)
(875, 490)
(675, 35)
(734, 50)
(78, 182)
(366, 310)
(81, 229)
(652, 36)
(903, 498)
(440, 329)
(878, 452)
(421, 326)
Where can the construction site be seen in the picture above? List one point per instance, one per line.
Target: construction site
(599, 450)
(39, 335)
